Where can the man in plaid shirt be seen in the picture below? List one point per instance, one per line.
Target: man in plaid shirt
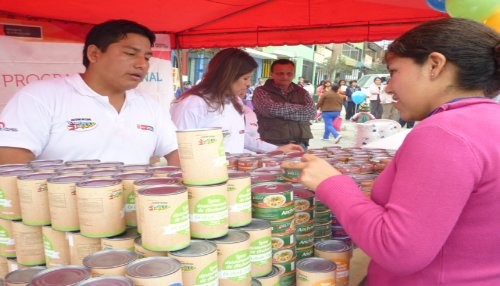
(283, 108)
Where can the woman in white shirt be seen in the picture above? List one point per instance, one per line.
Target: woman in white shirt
(215, 101)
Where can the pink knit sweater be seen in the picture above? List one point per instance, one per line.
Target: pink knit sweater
(434, 217)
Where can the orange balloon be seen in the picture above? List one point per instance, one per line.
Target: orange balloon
(494, 21)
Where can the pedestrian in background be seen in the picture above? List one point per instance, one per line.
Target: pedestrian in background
(351, 106)
(374, 94)
(330, 105)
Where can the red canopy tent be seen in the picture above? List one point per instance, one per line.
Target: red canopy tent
(242, 23)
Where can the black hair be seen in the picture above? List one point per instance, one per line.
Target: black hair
(473, 47)
(112, 31)
(282, 62)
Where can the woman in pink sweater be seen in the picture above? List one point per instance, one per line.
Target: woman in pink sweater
(434, 215)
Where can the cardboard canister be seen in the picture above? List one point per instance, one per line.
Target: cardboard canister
(199, 263)
(129, 195)
(7, 242)
(233, 251)
(260, 246)
(240, 199)
(62, 202)
(315, 271)
(56, 247)
(165, 218)
(29, 244)
(64, 276)
(23, 276)
(154, 271)
(81, 246)
(34, 199)
(149, 182)
(4, 267)
(109, 262)
(121, 241)
(208, 210)
(202, 156)
(98, 199)
(143, 252)
(9, 197)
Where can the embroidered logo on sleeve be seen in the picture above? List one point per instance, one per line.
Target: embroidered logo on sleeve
(145, 127)
(81, 124)
(3, 127)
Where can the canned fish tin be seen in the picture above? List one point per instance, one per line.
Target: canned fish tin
(106, 165)
(162, 171)
(56, 247)
(7, 242)
(61, 276)
(135, 168)
(320, 206)
(271, 195)
(62, 202)
(154, 271)
(304, 228)
(286, 267)
(208, 210)
(143, 252)
(102, 174)
(233, 252)
(129, 195)
(81, 246)
(164, 218)
(9, 196)
(260, 246)
(323, 229)
(4, 268)
(107, 281)
(284, 254)
(283, 226)
(288, 279)
(323, 217)
(305, 240)
(82, 163)
(32, 190)
(247, 163)
(109, 262)
(284, 240)
(97, 199)
(338, 252)
(199, 263)
(22, 276)
(202, 156)
(271, 279)
(121, 241)
(315, 271)
(305, 252)
(303, 217)
(72, 171)
(29, 244)
(240, 199)
(304, 199)
(11, 167)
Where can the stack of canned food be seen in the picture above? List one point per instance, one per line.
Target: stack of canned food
(199, 225)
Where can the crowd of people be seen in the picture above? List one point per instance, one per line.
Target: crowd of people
(434, 210)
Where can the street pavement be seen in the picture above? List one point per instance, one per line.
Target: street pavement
(347, 131)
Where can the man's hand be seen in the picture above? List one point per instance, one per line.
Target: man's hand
(290, 148)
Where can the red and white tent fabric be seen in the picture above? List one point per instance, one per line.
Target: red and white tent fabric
(242, 23)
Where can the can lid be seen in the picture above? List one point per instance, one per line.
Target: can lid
(316, 264)
(70, 169)
(237, 174)
(256, 224)
(115, 164)
(157, 181)
(153, 267)
(159, 169)
(98, 183)
(16, 172)
(332, 245)
(109, 258)
(108, 281)
(105, 172)
(162, 190)
(37, 176)
(61, 276)
(8, 167)
(67, 179)
(303, 194)
(83, 162)
(23, 275)
(45, 162)
(134, 167)
(199, 129)
(275, 271)
(133, 176)
(271, 188)
(233, 236)
(196, 248)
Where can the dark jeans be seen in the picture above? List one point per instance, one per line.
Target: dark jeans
(376, 108)
(350, 110)
(409, 124)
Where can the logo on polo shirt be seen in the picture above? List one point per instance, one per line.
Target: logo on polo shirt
(81, 124)
(3, 127)
(145, 127)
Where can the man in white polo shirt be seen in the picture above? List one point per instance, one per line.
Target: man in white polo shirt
(95, 115)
